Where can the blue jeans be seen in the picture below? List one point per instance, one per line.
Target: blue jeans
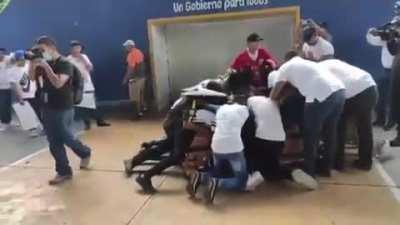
(321, 120)
(237, 162)
(57, 124)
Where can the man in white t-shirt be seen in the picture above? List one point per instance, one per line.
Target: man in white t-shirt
(325, 97)
(361, 98)
(384, 117)
(88, 107)
(5, 91)
(316, 48)
(269, 142)
(227, 146)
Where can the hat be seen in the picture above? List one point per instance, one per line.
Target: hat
(75, 43)
(129, 43)
(19, 55)
(254, 37)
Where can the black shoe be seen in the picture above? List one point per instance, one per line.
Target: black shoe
(362, 165)
(325, 173)
(209, 195)
(87, 124)
(379, 123)
(389, 125)
(395, 142)
(194, 183)
(146, 185)
(102, 123)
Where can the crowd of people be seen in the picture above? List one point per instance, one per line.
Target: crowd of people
(310, 94)
(264, 103)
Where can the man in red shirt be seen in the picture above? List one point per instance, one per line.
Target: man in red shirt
(257, 61)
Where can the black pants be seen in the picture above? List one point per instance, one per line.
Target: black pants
(87, 114)
(5, 106)
(383, 109)
(266, 159)
(177, 142)
(37, 107)
(395, 103)
(359, 108)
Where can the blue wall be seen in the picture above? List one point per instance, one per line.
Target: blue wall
(104, 24)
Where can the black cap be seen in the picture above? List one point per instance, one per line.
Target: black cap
(46, 40)
(254, 37)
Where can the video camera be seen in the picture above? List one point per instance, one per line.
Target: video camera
(388, 31)
(34, 53)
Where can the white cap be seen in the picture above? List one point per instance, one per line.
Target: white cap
(129, 43)
(272, 78)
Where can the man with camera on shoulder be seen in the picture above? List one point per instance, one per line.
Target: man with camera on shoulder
(383, 37)
(57, 95)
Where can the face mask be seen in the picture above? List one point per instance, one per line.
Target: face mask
(47, 56)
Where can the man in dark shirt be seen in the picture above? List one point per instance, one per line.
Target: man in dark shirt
(57, 97)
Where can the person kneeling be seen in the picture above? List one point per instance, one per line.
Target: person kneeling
(227, 146)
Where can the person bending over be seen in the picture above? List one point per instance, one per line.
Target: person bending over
(325, 97)
(269, 142)
(361, 98)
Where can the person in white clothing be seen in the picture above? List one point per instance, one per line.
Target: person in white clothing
(227, 147)
(361, 98)
(268, 144)
(384, 117)
(325, 97)
(87, 107)
(5, 91)
(316, 48)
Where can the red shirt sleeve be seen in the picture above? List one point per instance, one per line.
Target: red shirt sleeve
(267, 56)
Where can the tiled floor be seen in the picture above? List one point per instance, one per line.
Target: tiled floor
(104, 196)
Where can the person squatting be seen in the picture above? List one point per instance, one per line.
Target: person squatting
(249, 119)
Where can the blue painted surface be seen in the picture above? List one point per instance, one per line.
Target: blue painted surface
(104, 24)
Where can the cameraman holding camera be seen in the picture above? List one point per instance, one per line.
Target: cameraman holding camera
(57, 97)
(383, 36)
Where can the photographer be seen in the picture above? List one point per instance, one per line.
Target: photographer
(58, 99)
(381, 37)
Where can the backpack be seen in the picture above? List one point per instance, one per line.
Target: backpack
(77, 85)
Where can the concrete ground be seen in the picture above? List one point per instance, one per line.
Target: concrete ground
(104, 196)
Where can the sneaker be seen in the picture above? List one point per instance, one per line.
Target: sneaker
(102, 123)
(145, 184)
(4, 127)
(305, 180)
(362, 165)
(58, 179)
(395, 142)
(194, 183)
(140, 114)
(254, 181)
(128, 167)
(211, 190)
(85, 162)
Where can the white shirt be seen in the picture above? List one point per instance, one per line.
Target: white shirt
(320, 49)
(11, 74)
(229, 122)
(88, 84)
(386, 57)
(4, 80)
(268, 119)
(314, 81)
(205, 117)
(354, 79)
